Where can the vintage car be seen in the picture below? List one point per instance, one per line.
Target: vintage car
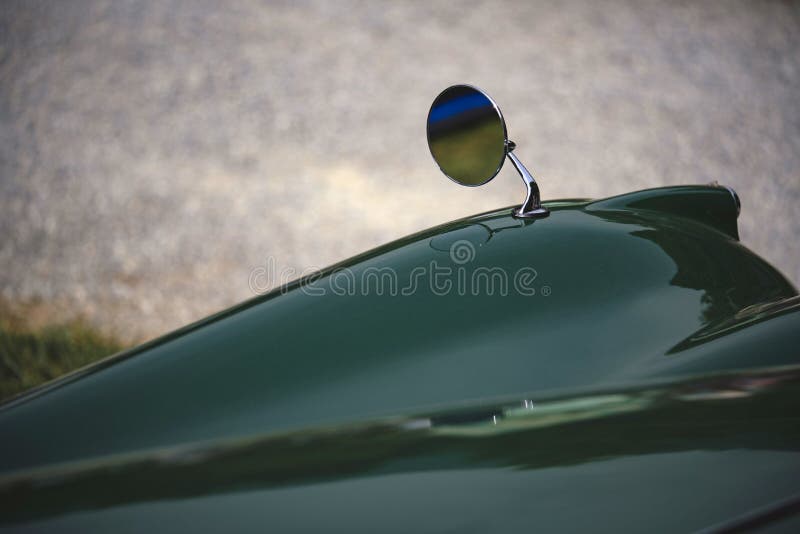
(621, 364)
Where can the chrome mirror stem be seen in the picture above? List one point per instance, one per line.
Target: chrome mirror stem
(532, 207)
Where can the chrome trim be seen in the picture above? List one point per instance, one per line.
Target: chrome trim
(532, 206)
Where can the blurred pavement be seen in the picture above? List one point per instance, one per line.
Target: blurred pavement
(152, 153)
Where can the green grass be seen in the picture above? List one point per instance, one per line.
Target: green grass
(32, 356)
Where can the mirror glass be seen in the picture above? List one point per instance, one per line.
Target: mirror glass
(467, 135)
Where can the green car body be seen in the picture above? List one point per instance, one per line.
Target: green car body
(623, 364)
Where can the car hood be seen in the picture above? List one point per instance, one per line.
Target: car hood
(647, 286)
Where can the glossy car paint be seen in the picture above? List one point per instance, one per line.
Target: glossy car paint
(652, 372)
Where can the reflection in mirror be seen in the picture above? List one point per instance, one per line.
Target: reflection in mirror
(467, 135)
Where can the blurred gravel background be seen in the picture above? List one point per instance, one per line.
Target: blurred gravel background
(152, 153)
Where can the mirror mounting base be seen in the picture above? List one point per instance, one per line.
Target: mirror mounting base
(537, 213)
(532, 206)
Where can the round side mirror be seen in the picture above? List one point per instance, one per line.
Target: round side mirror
(467, 135)
(467, 138)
